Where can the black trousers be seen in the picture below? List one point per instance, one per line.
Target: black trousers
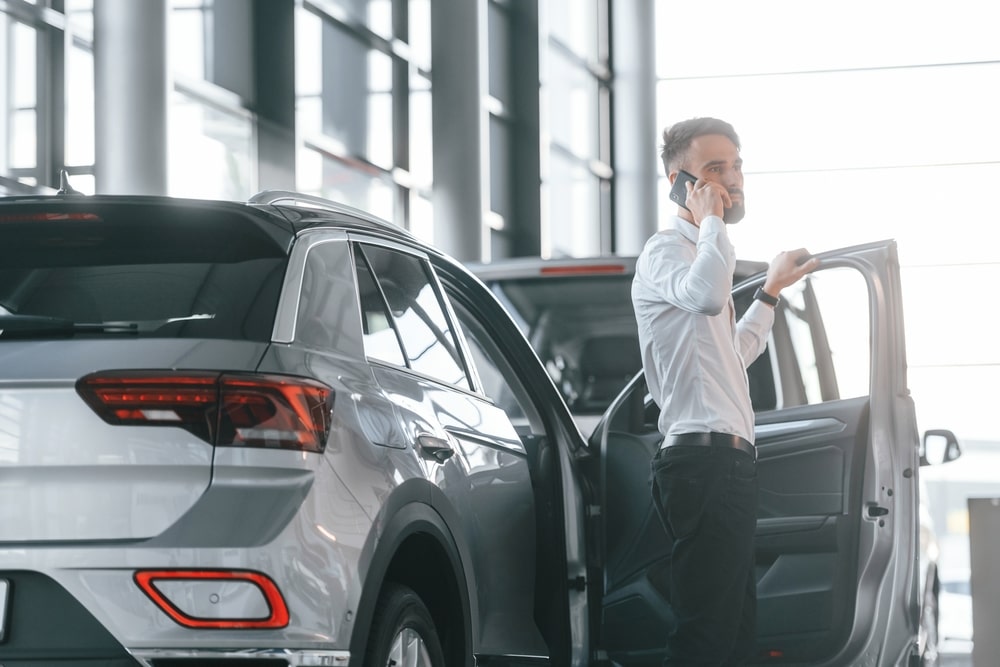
(707, 500)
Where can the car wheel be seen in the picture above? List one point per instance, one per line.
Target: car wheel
(402, 633)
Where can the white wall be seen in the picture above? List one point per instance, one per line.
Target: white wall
(862, 121)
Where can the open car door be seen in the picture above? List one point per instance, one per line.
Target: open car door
(837, 540)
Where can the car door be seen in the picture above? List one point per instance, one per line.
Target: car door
(467, 446)
(836, 541)
(509, 374)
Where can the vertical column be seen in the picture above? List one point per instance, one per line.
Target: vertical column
(634, 131)
(274, 92)
(51, 143)
(458, 67)
(525, 222)
(131, 86)
(401, 110)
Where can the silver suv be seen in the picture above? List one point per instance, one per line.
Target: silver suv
(279, 431)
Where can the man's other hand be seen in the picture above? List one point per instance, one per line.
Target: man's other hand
(787, 268)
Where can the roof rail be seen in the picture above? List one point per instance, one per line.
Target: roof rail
(274, 196)
(16, 187)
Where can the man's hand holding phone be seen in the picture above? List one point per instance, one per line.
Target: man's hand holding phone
(702, 198)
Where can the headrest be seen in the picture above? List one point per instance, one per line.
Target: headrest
(611, 356)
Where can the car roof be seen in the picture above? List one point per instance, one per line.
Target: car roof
(282, 214)
(304, 211)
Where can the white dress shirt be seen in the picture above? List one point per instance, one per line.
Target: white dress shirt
(694, 353)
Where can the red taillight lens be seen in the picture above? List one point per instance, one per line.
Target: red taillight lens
(224, 409)
(592, 269)
(274, 411)
(227, 601)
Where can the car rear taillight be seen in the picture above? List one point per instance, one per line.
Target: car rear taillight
(224, 409)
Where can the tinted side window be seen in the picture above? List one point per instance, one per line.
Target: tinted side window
(381, 341)
(493, 364)
(493, 369)
(426, 333)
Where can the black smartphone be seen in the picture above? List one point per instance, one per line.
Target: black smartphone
(679, 193)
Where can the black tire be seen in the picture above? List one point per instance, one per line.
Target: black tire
(402, 633)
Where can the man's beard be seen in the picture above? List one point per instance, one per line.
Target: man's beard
(734, 213)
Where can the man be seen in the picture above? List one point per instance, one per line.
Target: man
(695, 355)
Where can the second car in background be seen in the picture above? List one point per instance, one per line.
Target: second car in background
(577, 314)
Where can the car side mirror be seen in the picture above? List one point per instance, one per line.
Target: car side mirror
(939, 446)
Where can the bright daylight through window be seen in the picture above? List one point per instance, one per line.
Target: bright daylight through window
(853, 131)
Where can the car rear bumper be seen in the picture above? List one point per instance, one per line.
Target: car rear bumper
(44, 623)
(249, 658)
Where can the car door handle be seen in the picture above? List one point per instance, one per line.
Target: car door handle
(433, 447)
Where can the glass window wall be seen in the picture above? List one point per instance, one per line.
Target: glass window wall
(46, 95)
(575, 118)
(211, 150)
(363, 105)
(20, 72)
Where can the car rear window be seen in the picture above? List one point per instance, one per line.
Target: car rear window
(583, 329)
(583, 299)
(143, 270)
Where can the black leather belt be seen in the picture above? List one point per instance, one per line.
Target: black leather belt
(711, 440)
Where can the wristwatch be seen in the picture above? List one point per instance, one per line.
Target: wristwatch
(761, 295)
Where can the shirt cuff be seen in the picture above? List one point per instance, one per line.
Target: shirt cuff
(761, 314)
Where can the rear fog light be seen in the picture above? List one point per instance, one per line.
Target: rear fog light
(215, 599)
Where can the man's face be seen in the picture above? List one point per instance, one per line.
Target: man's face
(715, 158)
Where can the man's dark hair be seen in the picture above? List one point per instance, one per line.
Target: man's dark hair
(678, 137)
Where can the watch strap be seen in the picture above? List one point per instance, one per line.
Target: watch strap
(761, 295)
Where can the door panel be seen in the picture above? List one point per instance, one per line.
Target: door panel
(636, 615)
(809, 514)
(804, 467)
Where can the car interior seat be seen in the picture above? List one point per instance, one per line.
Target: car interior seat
(606, 364)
